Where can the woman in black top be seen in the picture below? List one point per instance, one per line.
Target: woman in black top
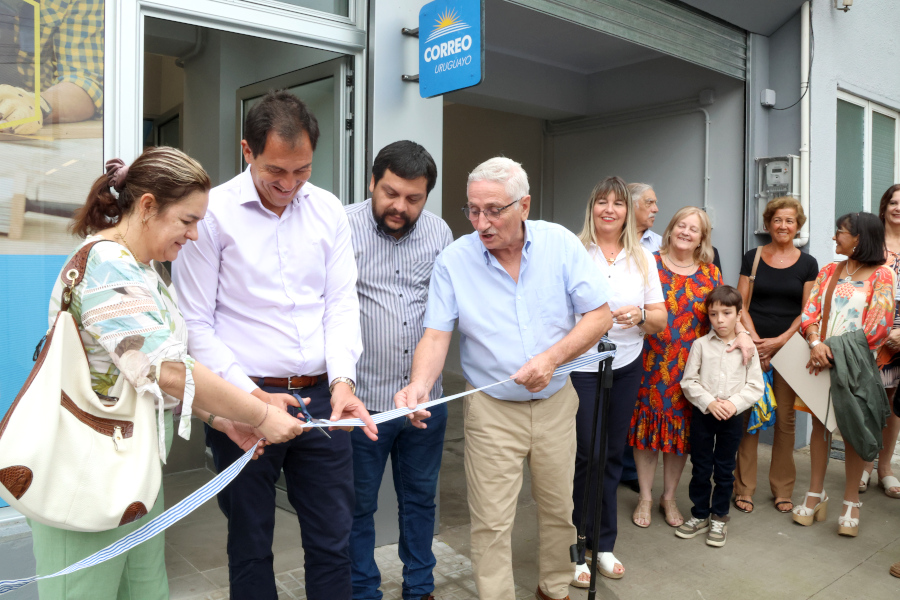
(784, 279)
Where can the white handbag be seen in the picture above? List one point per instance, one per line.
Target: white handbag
(66, 459)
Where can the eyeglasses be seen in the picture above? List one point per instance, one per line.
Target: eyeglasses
(839, 230)
(492, 214)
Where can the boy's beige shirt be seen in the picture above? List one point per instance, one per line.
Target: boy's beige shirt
(712, 373)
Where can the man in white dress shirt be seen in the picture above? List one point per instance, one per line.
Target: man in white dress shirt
(268, 291)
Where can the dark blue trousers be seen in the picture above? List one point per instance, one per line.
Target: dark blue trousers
(622, 398)
(319, 475)
(416, 462)
(714, 446)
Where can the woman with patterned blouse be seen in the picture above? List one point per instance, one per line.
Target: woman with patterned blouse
(128, 318)
(863, 299)
(889, 356)
(661, 418)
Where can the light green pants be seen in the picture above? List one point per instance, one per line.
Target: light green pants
(139, 574)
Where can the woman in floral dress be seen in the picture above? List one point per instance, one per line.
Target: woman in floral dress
(661, 418)
(862, 300)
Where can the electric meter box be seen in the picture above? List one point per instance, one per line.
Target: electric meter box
(776, 176)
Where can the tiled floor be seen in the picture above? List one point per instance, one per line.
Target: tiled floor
(452, 578)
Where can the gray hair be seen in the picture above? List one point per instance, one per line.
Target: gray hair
(505, 171)
(638, 190)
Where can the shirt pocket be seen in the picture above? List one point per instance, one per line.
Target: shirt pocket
(736, 377)
(554, 306)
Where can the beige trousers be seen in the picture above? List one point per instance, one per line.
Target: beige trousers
(500, 436)
(782, 473)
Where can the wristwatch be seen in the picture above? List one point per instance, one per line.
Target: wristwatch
(643, 317)
(346, 380)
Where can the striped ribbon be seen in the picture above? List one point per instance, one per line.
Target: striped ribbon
(217, 483)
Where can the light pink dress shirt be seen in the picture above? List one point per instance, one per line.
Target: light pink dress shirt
(268, 296)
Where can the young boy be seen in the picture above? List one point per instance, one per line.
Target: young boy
(720, 387)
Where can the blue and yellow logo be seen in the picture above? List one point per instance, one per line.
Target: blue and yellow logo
(447, 22)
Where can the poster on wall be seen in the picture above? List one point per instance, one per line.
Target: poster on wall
(51, 144)
(51, 128)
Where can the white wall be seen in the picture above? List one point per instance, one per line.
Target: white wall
(396, 111)
(855, 51)
(667, 153)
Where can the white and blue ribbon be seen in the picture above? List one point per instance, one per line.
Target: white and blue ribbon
(154, 527)
(581, 361)
(217, 483)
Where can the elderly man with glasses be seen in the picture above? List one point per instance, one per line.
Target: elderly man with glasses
(515, 287)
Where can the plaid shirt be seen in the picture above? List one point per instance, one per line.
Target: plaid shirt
(71, 46)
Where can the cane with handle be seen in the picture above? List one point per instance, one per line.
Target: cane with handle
(604, 384)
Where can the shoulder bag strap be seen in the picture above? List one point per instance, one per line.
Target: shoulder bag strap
(826, 309)
(753, 275)
(73, 273)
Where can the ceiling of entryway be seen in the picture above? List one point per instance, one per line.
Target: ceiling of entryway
(757, 16)
(518, 31)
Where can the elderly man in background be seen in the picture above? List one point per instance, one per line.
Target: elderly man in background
(645, 209)
(515, 286)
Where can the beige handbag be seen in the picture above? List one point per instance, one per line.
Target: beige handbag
(66, 459)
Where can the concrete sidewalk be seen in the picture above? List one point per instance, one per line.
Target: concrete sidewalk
(767, 556)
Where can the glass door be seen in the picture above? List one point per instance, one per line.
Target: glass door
(327, 89)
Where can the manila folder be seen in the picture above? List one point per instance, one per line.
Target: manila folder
(814, 390)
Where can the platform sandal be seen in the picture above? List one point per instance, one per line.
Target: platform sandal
(805, 515)
(847, 525)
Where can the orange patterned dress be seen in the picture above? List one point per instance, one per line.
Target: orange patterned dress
(662, 415)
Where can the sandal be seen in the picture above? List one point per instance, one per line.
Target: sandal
(642, 512)
(889, 483)
(606, 564)
(804, 515)
(848, 525)
(743, 501)
(780, 502)
(582, 569)
(864, 482)
(669, 508)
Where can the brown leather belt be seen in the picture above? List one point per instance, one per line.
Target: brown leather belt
(292, 383)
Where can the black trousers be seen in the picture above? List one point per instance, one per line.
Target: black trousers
(714, 446)
(622, 398)
(319, 474)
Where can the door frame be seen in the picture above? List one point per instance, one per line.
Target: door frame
(337, 68)
(124, 64)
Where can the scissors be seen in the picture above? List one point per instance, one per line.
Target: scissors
(308, 417)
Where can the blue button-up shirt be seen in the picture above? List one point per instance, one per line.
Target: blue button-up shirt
(503, 323)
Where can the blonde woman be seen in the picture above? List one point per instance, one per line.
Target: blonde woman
(611, 238)
(661, 418)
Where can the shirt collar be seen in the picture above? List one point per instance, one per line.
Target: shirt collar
(250, 194)
(595, 249)
(526, 248)
(714, 336)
